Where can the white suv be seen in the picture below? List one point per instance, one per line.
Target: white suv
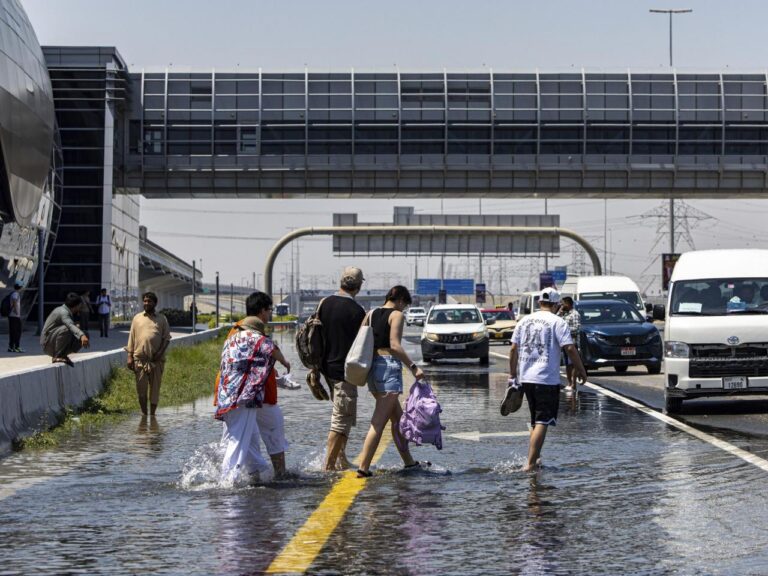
(415, 315)
(455, 331)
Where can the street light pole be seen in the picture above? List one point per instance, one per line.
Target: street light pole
(217, 299)
(671, 12)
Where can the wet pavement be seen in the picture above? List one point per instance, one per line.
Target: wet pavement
(620, 493)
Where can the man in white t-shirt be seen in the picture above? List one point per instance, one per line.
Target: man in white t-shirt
(534, 363)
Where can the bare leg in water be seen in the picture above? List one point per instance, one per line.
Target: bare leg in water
(396, 434)
(387, 408)
(538, 434)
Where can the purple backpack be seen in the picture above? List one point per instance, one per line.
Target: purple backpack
(420, 422)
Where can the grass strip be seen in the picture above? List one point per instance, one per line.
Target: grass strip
(190, 372)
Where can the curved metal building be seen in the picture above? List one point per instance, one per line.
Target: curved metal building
(26, 115)
(30, 164)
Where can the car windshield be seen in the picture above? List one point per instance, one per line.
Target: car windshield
(721, 296)
(498, 315)
(631, 297)
(416, 310)
(608, 313)
(454, 316)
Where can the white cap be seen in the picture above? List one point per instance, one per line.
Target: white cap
(549, 295)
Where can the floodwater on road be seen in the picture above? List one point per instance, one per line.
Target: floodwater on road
(620, 493)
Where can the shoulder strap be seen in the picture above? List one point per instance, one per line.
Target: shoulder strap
(317, 310)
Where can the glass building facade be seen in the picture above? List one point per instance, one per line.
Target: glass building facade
(98, 236)
(207, 133)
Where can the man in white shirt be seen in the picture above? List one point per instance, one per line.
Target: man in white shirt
(534, 364)
(103, 307)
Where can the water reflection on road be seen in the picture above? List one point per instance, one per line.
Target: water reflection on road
(620, 493)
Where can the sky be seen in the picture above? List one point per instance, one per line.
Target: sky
(423, 35)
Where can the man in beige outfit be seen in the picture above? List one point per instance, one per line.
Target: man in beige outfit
(147, 344)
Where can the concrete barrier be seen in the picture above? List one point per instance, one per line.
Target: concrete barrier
(34, 399)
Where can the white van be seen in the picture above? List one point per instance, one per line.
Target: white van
(604, 287)
(716, 333)
(528, 303)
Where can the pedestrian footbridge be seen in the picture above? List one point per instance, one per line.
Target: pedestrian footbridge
(493, 133)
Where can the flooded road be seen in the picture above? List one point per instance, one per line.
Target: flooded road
(620, 493)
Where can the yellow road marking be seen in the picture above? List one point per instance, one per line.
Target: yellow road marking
(299, 554)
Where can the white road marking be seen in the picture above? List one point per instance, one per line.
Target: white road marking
(476, 436)
(748, 457)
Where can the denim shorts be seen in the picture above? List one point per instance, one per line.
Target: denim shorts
(386, 375)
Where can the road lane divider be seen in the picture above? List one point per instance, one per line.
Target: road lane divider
(305, 546)
(748, 457)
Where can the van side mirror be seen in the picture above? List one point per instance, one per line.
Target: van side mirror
(490, 321)
(659, 311)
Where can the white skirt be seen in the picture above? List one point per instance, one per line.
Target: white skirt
(244, 429)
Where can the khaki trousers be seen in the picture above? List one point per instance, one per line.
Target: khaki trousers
(148, 377)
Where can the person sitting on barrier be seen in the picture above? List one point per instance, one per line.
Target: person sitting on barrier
(246, 395)
(61, 336)
(385, 380)
(147, 344)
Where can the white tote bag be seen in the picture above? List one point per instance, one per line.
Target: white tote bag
(360, 356)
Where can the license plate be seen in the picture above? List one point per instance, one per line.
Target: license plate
(498, 336)
(628, 351)
(455, 346)
(734, 382)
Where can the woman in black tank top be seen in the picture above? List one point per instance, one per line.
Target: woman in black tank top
(385, 381)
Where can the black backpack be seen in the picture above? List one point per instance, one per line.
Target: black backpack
(310, 344)
(5, 306)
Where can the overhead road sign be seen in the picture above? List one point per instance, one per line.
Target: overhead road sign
(414, 243)
(446, 230)
(456, 286)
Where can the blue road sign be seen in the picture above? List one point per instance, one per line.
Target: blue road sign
(459, 286)
(462, 286)
(558, 276)
(427, 286)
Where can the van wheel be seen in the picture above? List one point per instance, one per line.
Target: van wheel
(672, 405)
(483, 360)
(620, 369)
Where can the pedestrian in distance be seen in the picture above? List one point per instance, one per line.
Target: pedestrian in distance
(14, 319)
(572, 317)
(148, 342)
(103, 309)
(341, 317)
(85, 312)
(61, 336)
(246, 395)
(534, 363)
(385, 380)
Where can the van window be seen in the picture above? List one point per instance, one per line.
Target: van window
(718, 297)
(454, 316)
(630, 297)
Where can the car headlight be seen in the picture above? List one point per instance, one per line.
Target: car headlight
(478, 335)
(652, 337)
(431, 336)
(676, 349)
(597, 338)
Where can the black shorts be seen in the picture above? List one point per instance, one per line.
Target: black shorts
(543, 402)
